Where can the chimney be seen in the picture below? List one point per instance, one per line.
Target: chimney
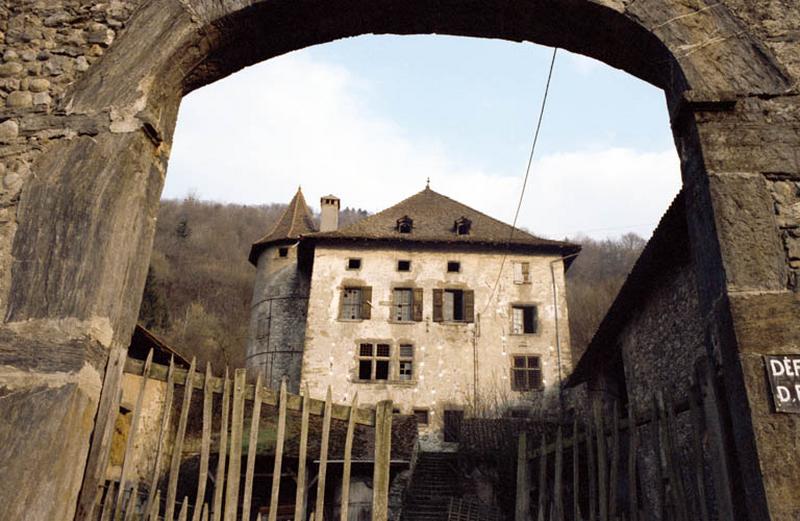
(329, 213)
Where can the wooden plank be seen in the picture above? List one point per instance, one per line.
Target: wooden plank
(177, 449)
(716, 438)
(235, 454)
(523, 504)
(633, 447)
(268, 396)
(278, 460)
(323, 456)
(163, 433)
(300, 495)
(252, 451)
(602, 463)
(676, 477)
(155, 507)
(107, 411)
(205, 444)
(661, 491)
(591, 471)
(132, 502)
(698, 463)
(219, 481)
(558, 502)
(127, 458)
(542, 503)
(348, 452)
(108, 501)
(576, 474)
(184, 509)
(381, 468)
(613, 481)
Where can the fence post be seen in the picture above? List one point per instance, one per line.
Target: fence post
(383, 453)
(522, 510)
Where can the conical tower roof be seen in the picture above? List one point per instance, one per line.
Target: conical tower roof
(295, 221)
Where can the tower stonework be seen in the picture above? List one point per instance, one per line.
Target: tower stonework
(280, 299)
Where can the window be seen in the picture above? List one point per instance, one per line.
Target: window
(526, 373)
(522, 273)
(405, 224)
(407, 305)
(523, 320)
(353, 264)
(356, 303)
(283, 252)
(404, 265)
(373, 361)
(453, 305)
(462, 226)
(402, 304)
(453, 266)
(406, 362)
(422, 416)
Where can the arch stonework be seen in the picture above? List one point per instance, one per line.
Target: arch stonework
(90, 96)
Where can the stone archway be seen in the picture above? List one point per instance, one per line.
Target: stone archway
(83, 176)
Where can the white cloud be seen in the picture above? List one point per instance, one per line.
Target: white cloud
(254, 137)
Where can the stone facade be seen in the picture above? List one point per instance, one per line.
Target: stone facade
(453, 363)
(82, 175)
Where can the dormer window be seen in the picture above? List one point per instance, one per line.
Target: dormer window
(404, 224)
(462, 226)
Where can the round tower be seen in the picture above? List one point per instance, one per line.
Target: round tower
(280, 299)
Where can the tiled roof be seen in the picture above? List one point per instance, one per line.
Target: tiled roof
(434, 216)
(295, 221)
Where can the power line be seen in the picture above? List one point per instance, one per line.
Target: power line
(525, 180)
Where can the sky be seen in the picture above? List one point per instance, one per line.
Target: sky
(370, 119)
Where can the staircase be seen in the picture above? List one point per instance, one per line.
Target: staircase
(436, 479)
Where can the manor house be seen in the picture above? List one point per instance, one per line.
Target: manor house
(429, 303)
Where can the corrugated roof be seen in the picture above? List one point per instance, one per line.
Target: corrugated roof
(434, 216)
(295, 221)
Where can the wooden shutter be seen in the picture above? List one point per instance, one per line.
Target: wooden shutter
(366, 302)
(469, 305)
(417, 305)
(526, 272)
(438, 296)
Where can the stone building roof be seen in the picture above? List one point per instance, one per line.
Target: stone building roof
(295, 221)
(667, 249)
(433, 218)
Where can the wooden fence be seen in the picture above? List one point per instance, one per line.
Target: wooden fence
(127, 499)
(592, 470)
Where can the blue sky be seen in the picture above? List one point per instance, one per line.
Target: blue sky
(370, 118)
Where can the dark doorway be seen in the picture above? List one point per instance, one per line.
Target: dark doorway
(452, 425)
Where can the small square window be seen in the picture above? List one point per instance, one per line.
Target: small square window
(453, 266)
(404, 265)
(283, 252)
(353, 264)
(422, 416)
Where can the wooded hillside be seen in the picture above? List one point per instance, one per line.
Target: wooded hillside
(199, 285)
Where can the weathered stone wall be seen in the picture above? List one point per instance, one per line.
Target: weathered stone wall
(82, 177)
(444, 367)
(278, 318)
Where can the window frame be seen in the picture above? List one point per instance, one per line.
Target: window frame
(408, 266)
(283, 252)
(364, 303)
(403, 359)
(351, 260)
(398, 307)
(374, 358)
(417, 411)
(528, 371)
(523, 276)
(456, 264)
(534, 319)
